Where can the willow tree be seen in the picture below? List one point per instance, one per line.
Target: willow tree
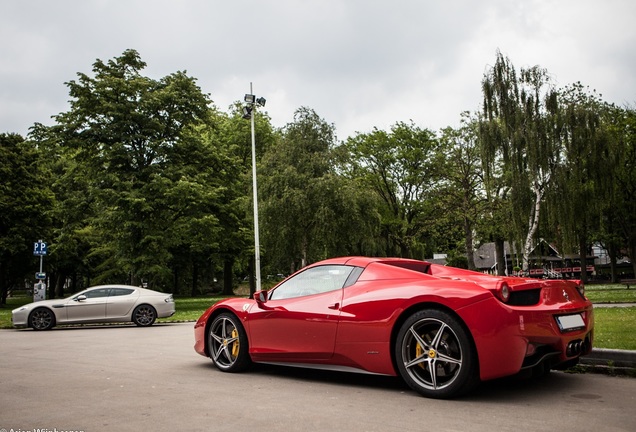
(620, 204)
(519, 136)
(581, 176)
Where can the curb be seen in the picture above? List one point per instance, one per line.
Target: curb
(611, 361)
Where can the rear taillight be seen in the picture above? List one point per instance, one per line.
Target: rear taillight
(503, 291)
(580, 286)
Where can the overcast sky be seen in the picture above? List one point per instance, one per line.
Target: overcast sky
(358, 63)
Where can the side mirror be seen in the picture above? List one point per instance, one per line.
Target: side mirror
(260, 297)
(80, 298)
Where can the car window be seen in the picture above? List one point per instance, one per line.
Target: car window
(315, 280)
(121, 291)
(96, 293)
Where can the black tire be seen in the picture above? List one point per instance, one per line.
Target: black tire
(42, 319)
(435, 355)
(227, 344)
(144, 315)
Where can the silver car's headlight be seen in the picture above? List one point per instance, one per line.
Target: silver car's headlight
(20, 309)
(169, 299)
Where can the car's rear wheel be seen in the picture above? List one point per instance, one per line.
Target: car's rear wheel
(435, 355)
(144, 315)
(227, 344)
(42, 319)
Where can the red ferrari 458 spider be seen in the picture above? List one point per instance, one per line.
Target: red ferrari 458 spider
(442, 329)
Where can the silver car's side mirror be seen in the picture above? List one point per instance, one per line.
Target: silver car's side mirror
(80, 298)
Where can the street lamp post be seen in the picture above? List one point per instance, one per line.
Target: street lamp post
(248, 113)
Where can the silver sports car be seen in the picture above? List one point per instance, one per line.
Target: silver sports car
(104, 303)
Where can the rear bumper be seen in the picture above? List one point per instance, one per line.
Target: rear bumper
(165, 310)
(526, 336)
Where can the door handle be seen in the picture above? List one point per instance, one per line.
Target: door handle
(334, 306)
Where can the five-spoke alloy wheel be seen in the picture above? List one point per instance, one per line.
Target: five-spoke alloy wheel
(435, 355)
(227, 344)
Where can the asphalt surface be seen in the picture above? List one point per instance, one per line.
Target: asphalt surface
(124, 378)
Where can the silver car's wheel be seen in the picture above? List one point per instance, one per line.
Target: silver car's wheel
(227, 344)
(435, 355)
(42, 319)
(144, 315)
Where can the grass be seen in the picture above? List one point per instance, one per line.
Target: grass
(615, 328)
(610, 293)
(191, 308)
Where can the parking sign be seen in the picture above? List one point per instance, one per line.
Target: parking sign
(39, 248)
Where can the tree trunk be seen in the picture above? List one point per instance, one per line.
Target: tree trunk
(533, 224)
(500, 257)
(632, 255)
(195, 279)
(175, 283)
(50, 288)
(583, 254)
(250, 269)
(74, 282)
(468, 237)
(228, 264)
(59, 284)
(4, 289)
(303, 251)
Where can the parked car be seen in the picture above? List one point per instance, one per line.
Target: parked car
(103, 303)
(442, 329)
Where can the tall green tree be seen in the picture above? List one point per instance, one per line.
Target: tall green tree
(297, 191)
(25, 202)
(580, 174)
(519, 114)
(620, 205)
(148, 170)
(403, 168)
(462, 193)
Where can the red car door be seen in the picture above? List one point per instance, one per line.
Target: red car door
(300, 318)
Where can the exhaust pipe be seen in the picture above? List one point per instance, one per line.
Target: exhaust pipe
(575, 348)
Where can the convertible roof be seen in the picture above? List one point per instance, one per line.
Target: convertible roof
(361, 261)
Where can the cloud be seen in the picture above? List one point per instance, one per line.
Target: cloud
(359, 64)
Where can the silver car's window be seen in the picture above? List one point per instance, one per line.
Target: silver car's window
(96, 293)
(121, 291)
(315, 280)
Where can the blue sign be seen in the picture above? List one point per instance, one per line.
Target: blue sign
(40, 275)
(39, 248)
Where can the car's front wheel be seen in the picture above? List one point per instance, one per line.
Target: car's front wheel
(227, 344)
(144, 315)
(42, 319)
(435, 355)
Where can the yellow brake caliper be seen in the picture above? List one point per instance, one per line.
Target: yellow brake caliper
(235, 345)
(419, 351)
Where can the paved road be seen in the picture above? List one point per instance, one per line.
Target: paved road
(124, 378)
